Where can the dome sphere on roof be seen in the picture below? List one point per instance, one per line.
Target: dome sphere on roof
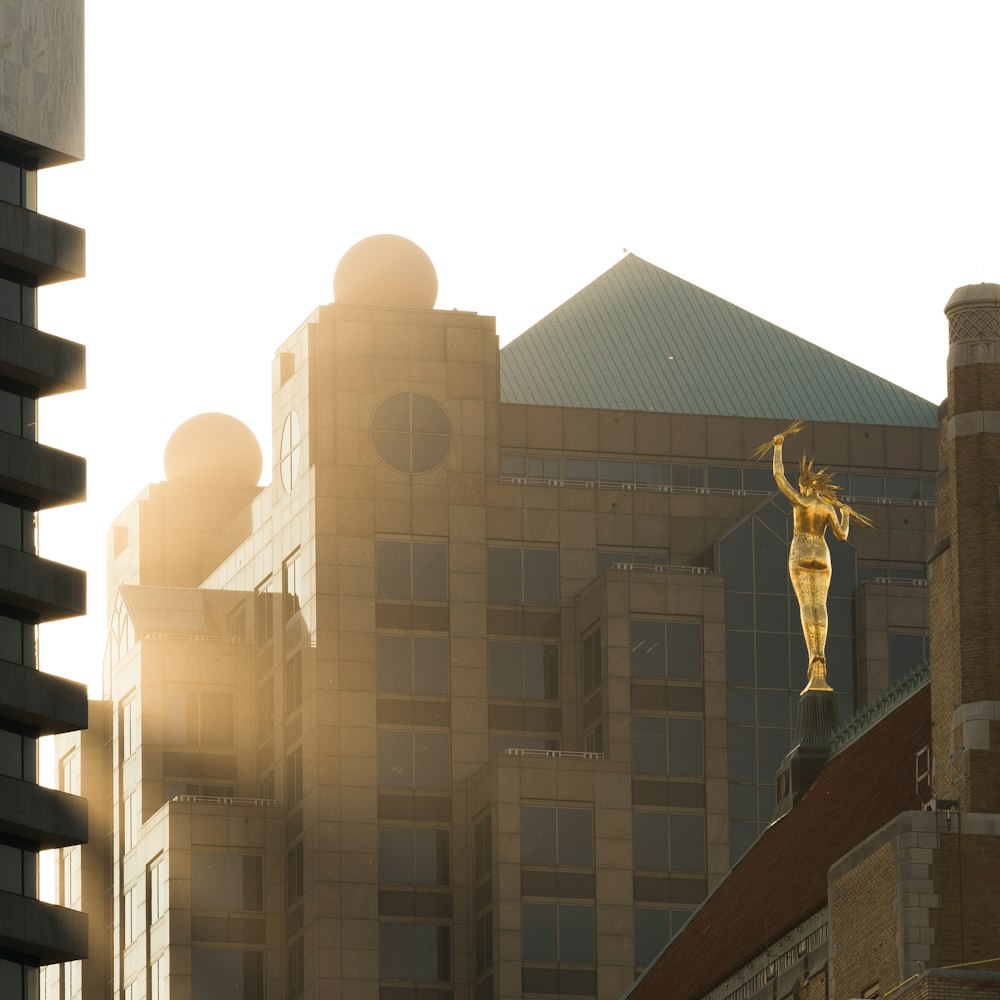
(386, 271)
(213, 449)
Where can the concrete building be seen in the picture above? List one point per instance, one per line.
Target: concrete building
(884, 877)
(485, 691)
(41, 125)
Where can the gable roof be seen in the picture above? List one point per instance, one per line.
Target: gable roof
(640, 338)
(782, 879)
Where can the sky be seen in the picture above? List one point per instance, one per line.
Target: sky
(832, 168)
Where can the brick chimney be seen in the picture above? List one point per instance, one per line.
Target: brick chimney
(965, 564)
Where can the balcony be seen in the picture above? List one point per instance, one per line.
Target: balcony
(38, 359)
(46, 475)
(41, 587)
(35, 244)
(47, 932)
(42, 815)
(41, 701)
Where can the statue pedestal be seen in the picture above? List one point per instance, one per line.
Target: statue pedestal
(817, 724)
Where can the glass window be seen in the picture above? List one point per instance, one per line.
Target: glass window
(580, 470)
(131, 820)
(413, 760)
(867, 486)
(669, 841)
(523, 670)
(227, 881)
(687, 842)
(484, 942)
(652, 932)
(617, 472)
(417, 570)
(226, 974)
(293, 683)
(200, 718)
(593, 661)
(483, 860)
(511, 465)
(661, 649)
(410, 432)
(265, 709)
(908, 651)
(158, 898)
(652, 473)
(295, 873)
(291, 586)
(414, 855)
(412, 665)
(293, 777)
(557, 933)
(415, 952)
(722, 477)
(158, 972)
(296, 968)
(523, 576)
(263, 612)
(130, 905)
(651, 840)
(130, 726)
(667, 746)
(557, 836)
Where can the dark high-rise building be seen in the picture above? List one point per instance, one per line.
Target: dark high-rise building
(41, 125)
(486, 689)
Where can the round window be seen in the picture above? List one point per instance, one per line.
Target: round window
(290, 451)
(410, 432)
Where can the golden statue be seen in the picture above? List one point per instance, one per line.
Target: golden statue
(815, 507)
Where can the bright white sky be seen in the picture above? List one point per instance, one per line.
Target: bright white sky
(830, 167)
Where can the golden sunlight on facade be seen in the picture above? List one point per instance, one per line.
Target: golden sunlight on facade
(486, 689)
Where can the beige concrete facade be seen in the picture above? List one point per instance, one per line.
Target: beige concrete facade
(429, 691)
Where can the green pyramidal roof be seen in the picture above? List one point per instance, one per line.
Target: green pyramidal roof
(640, 338)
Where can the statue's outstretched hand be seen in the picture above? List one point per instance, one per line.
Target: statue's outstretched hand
(779, 439)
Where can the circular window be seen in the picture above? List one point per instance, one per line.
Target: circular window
(290, 451)
(410, 432)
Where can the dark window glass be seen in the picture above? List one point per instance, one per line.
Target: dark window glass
(417, 856)
(593, 661)
(741, 838)
(484, 846)
(523, 576)
(687, 842)
(410, 432)
(739, 610)
(218, 725)
(772, 709)
(683, 650)
(739, 658)
(296, 968)
(293, 777)
(416, 570)
(867, 486)
(743, 802)
(484, 942)
(652, 473)
(295, 873)
(648, 655)
(557, 836)
(740, 706)
(651, 840)
(227, 881)
(557, 933)
(760, 480)
(523, 670)
(772, 745)
(772, 660)
(226, 974)
(686, 746)
(293, 683)
(580, 470)
(772, 613)
(742, 754)
(413, 760)
(415, 952)
(649, 745)
(265, 709)
(902, 487)
(724, 477)
(511, 465)
(737, 558)
(413, 665)
(652, 932)
(617, 472)
(907, 652)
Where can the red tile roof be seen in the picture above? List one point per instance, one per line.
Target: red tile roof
(782, 879)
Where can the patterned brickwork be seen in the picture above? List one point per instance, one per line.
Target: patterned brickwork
(863, 925)
(965, 574)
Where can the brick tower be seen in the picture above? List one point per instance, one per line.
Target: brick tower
(965, 563)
